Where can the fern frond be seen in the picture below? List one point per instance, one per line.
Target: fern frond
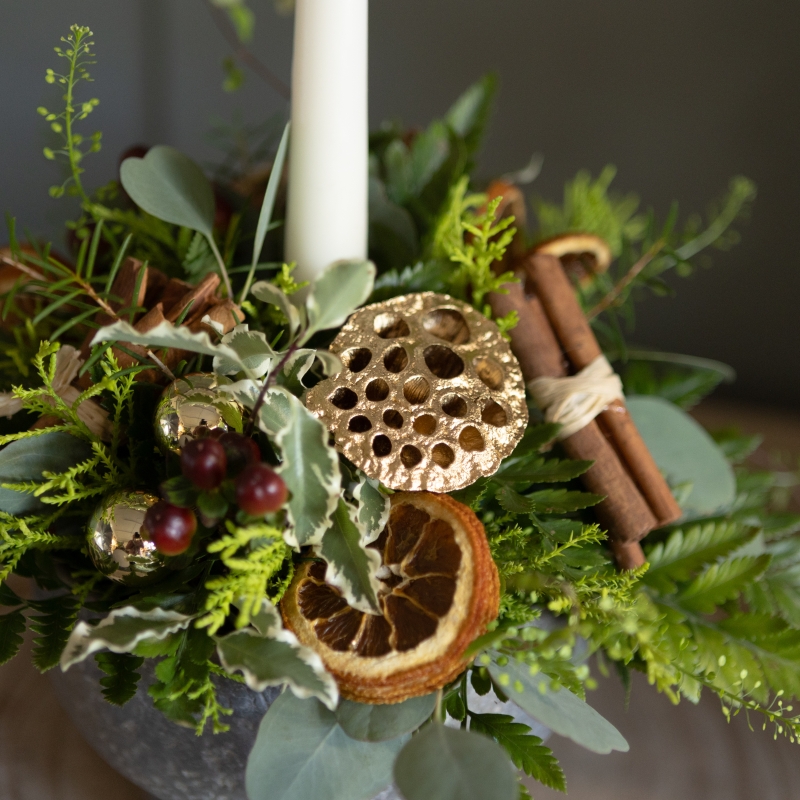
(686, 551)
(121, 680)
(53, 622)
(722, 582)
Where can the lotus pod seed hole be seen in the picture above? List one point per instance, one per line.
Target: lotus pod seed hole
(390, 326)
(426, 425)
(359, 424)
(410, 456)
(489, 371)
(471, 440)
(447, 324)
(382, 446)
(396, 360)
(377, 390)
(443, 362)
(357, 359)
(416, 390)
(344, 398)
(393, 419)
(494, 414)
(454, 406)
(443, 456)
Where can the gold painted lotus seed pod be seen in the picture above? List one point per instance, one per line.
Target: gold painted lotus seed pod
(431, 397)
(192, 403)
(116, 544)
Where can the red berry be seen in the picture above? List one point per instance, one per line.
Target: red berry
(204, 463)
(259, 490)
(240, 451)
(169, 527)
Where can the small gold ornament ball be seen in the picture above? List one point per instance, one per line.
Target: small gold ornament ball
(191, 403)
(116, 544)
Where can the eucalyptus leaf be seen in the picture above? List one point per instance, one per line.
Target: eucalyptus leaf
(561, 711)
(686, 454)
(337, 293)
(273, 657)
(170, 186)
(26, 459)
(352, 566)
(445, 764)
(310, 468)
(120, 632)
(302, 753)
(381, 723)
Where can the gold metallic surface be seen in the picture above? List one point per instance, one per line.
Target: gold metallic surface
(193, 402)
(431, 397)
(115, 540)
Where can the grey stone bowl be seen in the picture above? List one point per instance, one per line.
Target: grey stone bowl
(171, 762)
(164, 759)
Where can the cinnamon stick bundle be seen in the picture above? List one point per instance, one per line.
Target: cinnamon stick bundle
(553, 339)
(564, 313)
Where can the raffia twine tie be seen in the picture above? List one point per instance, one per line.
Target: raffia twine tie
(68, 362)
(575, 401)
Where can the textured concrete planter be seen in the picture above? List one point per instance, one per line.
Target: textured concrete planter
(164, 759)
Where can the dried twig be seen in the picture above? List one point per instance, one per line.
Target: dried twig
(246, 56)
(611, 298)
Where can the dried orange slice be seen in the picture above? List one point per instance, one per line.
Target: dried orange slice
(583, 255)
(440, 590)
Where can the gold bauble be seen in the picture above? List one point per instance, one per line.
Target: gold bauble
(116, 544)
(190, 404)
(430, 398)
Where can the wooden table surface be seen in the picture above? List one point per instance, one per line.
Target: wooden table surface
(677, 752)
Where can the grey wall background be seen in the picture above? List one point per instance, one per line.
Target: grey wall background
(679, 95)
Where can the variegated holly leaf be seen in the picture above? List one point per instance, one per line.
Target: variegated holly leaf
(272, 656)
(252, 349)
(337, 293)
(310, 466)
(352, 566)
(269, 293)
(373, 509)
(120, 632)
(331, 363)
(296, 368)
(165, 334)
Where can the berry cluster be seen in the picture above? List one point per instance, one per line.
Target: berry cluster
(207, 463)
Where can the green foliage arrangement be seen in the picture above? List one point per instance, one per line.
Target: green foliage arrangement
(717, 607)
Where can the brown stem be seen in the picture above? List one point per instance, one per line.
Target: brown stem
(246, 56)
(29, 271)
(267, 383)
(611, 298)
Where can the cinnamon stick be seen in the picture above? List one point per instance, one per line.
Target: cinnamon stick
(572, 329)
(624, 512)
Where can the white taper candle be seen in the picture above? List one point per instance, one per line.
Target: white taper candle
(328, 158)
